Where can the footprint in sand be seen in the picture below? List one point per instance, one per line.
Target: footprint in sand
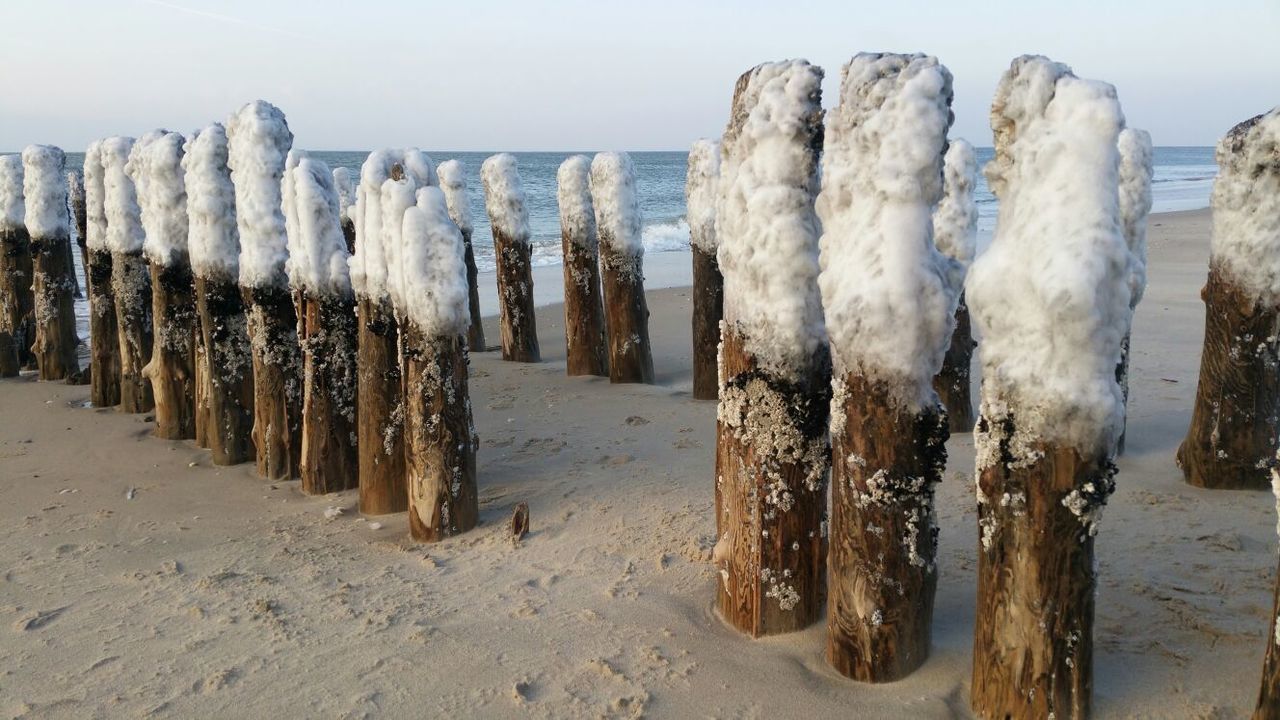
(38, 619)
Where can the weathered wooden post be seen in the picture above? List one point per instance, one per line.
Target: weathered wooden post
(440, 439)
(80, 220)
(1268, 707)
(613, 194)
(155, 164)
(319, 275)
(775, 368)
(214, 246)
(258, 140)
(17, 303)
(453, 181)
(509, 219)
(346, 189)
(130, 279)
(889, 297)
(700, 192)
(955, 232)
(584, 334)
(104, 338)
(1237, 410)
(45, 191)
(380, 407)
(1136, 170)
(1051, 410)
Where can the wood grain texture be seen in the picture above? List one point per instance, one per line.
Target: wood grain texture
(104, 333)
(953, 381)
(475, 332)
(277, 382)
(708, 310)
(1232, 437)
(327, 333)
(17, 302)
(584, 335)
(379, 411)
(172, 368)
(626, 317)
(53, 288)
(886, 461)
(131, 286)
(516, 321)
(225, 337)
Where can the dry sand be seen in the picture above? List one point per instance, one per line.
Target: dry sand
(138, 580)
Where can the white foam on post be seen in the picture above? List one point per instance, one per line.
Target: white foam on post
(164, 214)
(435, 271)
(765, 219)
(1136, 170)
(44, 188)
(700, 193)
(1021, 96)
(212, 239)
(1246, 207)
(504, 198)
(317, 249)
(94, 197)
(136, 169)
(346, 190)
(1050, 297)
(573, 195)
(886, 290)
(120, 197)
(955, 219)
(258, 142)
(13, 208)
(397, 196)
(453, 182)
(369, 262)
(617, 206)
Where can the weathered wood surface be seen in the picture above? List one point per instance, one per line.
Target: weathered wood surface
(1234, 424)
(886, 461)
(104, 333)
(475, 332)
(349, 234)
(516, 320)
(53, 288)
(172, 368)
(327, 332)
(708, 310)
(131, 285)
(771, 494)
(277, 381)
(584, 334)
(953, 382)
(224, 336)
(440, 438)
(1268, 707)
(17, 302)
(626, 317)
(380, 411)
(1033, 641)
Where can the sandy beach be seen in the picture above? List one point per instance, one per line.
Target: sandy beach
(136, 579)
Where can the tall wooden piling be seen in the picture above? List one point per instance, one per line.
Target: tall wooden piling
(509, 219)
(47, 221)
(17, 303)
(586, 351)
(453, 182)
(130, 278)
(955, 231)
(613, 193)
(701, 185)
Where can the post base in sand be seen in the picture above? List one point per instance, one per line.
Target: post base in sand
(380, 411)
(626, 319)
(328, 336)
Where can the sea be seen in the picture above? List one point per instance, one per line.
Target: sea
(1182, 180)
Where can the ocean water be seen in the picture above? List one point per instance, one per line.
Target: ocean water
(1182, 181)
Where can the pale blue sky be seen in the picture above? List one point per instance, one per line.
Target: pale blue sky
(586, 74)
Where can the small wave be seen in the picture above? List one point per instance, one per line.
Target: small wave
(666, 236)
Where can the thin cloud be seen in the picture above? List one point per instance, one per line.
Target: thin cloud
(227, 19)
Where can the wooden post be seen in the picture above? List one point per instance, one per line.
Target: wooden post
(584, 335)
(45, 191)
(708, 285)
(17, 303)
(1045, 449)
(1268, 707)
(79, 215)
(1136, 169)
(1234, 424)
(888, 429)
(224, 369)
(453, 181)
(318, 274)
(955, 232)
(953, 382)
(155, 164)
(509, 219)
(258, 140)
(440, 438)
(775, 371)
(104, 338)
(613, 191)
(130, 278)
